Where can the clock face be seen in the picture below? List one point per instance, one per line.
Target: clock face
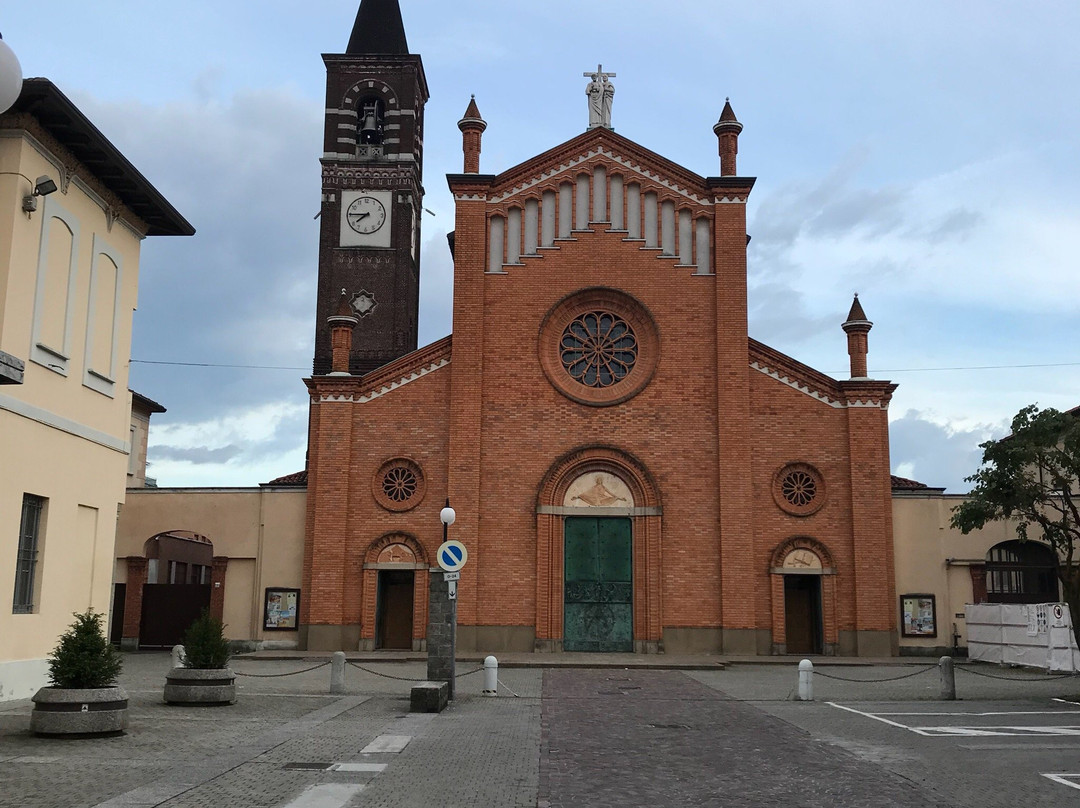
(366, 215)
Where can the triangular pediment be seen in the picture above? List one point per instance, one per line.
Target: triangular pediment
(600, 146)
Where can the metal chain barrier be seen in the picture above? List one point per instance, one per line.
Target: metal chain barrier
(817, 672)
(406, 678)
(279, 675)
(1047, 678)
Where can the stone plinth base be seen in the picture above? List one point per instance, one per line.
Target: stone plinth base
(429, 697)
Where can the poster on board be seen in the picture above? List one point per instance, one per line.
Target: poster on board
(918, 615)
(282, 610)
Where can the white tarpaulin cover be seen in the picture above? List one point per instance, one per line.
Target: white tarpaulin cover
(1035, 635)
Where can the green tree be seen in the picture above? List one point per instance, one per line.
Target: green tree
(1033, 477)
(84, 658)
(205, 645)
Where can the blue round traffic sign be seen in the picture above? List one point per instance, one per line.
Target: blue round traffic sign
(452, 556)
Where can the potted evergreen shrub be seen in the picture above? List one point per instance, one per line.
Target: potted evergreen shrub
(204, 676)
(83, 697)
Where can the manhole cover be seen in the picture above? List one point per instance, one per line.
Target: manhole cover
(312, 767)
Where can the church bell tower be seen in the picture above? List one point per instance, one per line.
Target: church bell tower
(372, 191)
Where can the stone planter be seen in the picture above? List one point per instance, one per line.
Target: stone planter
(200, 686)
(92, 711)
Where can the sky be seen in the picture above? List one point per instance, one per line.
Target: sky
(923, 154)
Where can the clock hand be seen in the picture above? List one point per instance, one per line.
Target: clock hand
(360, 215)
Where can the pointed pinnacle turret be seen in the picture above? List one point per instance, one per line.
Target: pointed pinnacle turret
(341, 335)
(727, 131)
(472, 127)
(856, 315)
(378, 29)
(857, 328)
(728, 115)
(472, 113)
(344, 308)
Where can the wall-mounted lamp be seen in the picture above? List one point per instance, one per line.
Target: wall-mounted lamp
(10, 77)
(44, 186)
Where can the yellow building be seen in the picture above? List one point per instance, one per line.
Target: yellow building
(73, 214)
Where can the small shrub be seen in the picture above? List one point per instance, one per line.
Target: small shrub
(205, 645)
(84, 658)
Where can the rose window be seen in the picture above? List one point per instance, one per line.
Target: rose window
(598, 349)
(799, 488)
(399, 484)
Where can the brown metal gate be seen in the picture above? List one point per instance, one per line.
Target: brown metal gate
(167, 611)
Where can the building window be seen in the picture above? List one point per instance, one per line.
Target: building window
(26, 561)
(599, 349)
(1021, 572)
(799, 489)
(399, 484)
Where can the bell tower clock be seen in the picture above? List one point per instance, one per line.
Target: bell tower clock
(372, 190)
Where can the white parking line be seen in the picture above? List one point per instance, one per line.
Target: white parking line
(1070, 780)
(943, 731)
(1027, 732)
(876, 718)
(1005, 712)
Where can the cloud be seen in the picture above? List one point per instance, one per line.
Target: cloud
(939, 454)
(241, 447)
(200, 455)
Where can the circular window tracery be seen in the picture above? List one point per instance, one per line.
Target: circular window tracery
(799, 489)
(599, 349)
(399, 485)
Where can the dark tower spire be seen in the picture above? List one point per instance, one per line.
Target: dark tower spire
(372, 193)
(378, 29)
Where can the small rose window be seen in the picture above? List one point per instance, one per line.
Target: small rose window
(399, 484)
(799, 489)
(598, 349)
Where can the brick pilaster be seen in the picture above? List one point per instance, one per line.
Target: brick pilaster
(217, 587)
(136, 578)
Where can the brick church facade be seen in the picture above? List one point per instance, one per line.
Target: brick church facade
(630, 470)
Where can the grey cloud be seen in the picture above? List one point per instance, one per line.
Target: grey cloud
(200, 455)
(937, 455)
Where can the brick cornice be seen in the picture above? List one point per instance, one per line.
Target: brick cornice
(361, 389)
(867, 392)
(836, 394)
(601, 141)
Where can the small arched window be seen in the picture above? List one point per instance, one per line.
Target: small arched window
(1021, 572)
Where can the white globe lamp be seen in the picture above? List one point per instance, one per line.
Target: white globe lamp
(11, 77)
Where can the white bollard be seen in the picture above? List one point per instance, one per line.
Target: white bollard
(337, 674)
(806, 680)
(178, 656)
(491, 676)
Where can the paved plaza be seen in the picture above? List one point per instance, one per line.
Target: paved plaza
(568, 737)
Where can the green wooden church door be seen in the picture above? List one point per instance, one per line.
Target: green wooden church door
(599, 590)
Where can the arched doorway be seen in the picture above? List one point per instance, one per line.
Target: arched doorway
(167, 588)
(394, 597)
(598, 558)
(1021, 572)
(803, 598)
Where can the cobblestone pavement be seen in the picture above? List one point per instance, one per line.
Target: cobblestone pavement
(651, 738)
(610, 737)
